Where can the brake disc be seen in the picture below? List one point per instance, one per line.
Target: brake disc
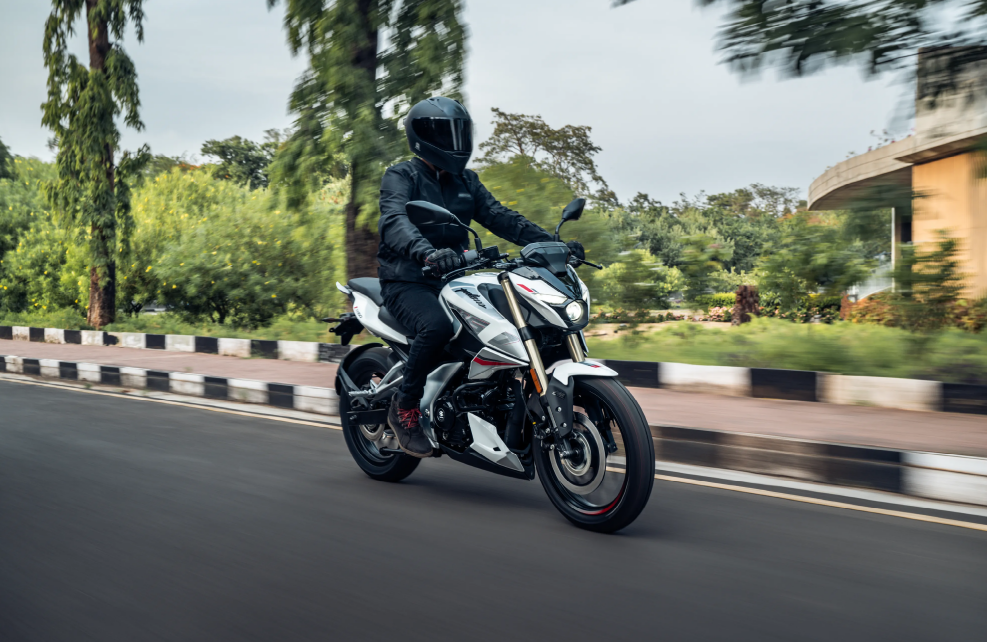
(584, 472)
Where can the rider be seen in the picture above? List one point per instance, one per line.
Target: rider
(440, 134)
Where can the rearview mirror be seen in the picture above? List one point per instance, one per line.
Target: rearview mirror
(424, 213)
(572, 212)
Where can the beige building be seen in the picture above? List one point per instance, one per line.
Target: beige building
(935, 178)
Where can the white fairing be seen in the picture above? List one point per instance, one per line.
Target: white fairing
(497, 333)
(488, 361)
(530, 289)
(563, 370)
(487, 443)
(369, 315)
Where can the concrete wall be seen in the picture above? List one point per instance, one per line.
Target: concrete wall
(953, 197)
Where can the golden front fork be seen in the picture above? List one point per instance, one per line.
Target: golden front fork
(575, 347)
(538, 375)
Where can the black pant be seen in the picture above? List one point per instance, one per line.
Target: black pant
(416, 306)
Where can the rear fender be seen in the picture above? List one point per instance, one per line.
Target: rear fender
(349, 358)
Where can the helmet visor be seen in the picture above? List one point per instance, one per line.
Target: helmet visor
(446, 134)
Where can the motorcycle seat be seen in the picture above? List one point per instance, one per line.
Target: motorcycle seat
(371, 288)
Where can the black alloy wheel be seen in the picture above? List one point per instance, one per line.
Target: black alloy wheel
(366, 441)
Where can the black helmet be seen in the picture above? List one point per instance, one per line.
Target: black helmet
(440, 131)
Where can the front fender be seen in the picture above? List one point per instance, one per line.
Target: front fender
(566, 369)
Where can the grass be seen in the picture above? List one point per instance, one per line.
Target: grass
(842, 347)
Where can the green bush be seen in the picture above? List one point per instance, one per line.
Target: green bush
(637, 282)
(718, 300)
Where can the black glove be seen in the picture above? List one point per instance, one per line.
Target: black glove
(444, 261)
(576, 250)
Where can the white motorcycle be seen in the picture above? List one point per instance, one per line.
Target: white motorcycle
(492, 403)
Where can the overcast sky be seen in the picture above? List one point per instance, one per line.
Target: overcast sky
(645, 77)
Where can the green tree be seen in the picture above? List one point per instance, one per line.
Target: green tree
(815, 255)
(637, 282)
(566, 153)
(540, 196)
(349, 102)
(804, 36)
(928, 284)
(91, 190)
(6, 160)
(243, 161)
(703, 256)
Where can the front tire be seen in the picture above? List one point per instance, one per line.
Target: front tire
(366, 369)
(606, 413)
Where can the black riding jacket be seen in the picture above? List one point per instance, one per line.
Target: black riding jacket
(403, 247)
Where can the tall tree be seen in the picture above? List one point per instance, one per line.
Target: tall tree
(804, 36)
(349, 102)
(243, 161)
(83, 102)
(566, 152)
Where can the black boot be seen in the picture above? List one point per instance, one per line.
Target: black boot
(404, 418)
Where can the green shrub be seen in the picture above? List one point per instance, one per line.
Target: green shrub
(718, 300)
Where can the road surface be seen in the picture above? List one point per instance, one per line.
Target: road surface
(130, 520)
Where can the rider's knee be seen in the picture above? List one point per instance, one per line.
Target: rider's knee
(439, 329)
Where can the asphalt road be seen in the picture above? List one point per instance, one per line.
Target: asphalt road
(127, 520)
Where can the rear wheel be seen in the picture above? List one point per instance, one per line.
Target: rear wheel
(606, 484)
(366, 441)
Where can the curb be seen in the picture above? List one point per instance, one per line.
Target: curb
(803, 385)
(952, 478)
(281, 395)
(765, 383)
(944, 477)
(309, 351)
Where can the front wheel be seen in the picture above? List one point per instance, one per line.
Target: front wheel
(606, 484)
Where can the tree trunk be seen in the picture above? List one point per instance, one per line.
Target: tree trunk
(362, 240)
(102, 278)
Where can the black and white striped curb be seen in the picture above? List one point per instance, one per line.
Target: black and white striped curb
(282, 395)
(952, 478)
(767, 383)
(287, 350)
(801, 385)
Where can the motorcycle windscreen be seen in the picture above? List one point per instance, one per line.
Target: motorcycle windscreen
(447, 134)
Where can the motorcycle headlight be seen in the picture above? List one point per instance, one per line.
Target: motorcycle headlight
(574, 311)
(551, 299)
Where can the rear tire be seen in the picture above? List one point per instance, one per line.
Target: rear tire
(612, 406)
(372, 364)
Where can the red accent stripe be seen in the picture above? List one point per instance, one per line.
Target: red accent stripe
(484, 362)
(525, 287)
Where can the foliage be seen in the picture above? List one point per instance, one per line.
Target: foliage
(703, 256)
(804, 36)
(928, 284)
(813, 255)
(636, 282)
(6, 162)
(811, 308)
(91, 191)
(20, 202)
(927, 294)
(565, 153)
(339, 101)
(847, 348)
(719, 299)
(540, 197)
(747, 219)
(243, 161)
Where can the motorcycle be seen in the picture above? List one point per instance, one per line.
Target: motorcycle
(492, 403)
